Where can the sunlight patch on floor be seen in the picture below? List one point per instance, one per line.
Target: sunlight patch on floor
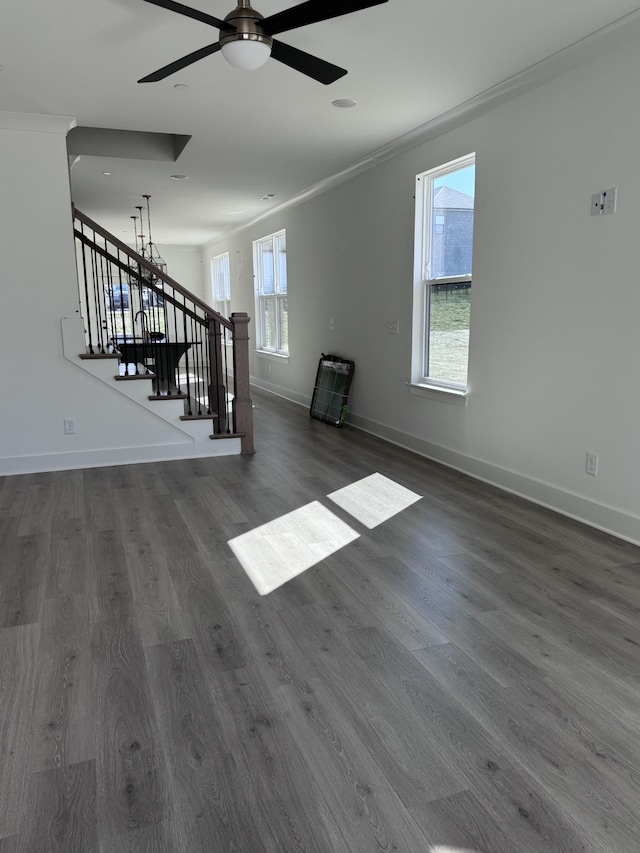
(374, 499)
(446, 849)
(280, 550)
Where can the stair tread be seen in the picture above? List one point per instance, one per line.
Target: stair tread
(121, 377)
(198, 417)
(228, 435)
(90, 355)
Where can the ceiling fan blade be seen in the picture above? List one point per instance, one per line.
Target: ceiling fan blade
(311, 12)
(318, 69)
(179, 64)
(192, 13)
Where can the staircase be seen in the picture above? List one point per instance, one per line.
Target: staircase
(164, 348)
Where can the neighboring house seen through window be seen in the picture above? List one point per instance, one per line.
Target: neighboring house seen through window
(442, 281)
(270, 270)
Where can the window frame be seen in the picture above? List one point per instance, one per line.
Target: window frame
(222, 305)
(423, 284)
(279, 297)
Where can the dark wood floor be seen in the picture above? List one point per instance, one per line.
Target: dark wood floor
(464, 676)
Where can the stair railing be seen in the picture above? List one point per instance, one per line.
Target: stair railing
(133, 309)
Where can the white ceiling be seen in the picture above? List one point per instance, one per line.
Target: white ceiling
(272, 130)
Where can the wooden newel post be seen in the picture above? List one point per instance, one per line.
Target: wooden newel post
(217, 391)
(242, 406)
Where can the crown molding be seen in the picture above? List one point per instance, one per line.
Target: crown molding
(611, 36)
(33, 123)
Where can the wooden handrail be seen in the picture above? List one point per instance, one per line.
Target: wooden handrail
(153, 270)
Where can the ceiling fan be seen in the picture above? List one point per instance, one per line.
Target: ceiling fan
(246, 37)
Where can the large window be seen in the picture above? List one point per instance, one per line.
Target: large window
(270, 269)
(443, 256)
(221, 284)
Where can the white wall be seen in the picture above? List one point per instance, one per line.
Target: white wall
(38, 284)
(184, 264)
(555, 298)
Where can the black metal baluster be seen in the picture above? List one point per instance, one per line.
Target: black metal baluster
(186, 352)
(225, 358)
(99, 289)
(86, 289)
(206, 360)
(198, 359)
(94, 277)
(165, 353)
(124, 324)
(109, 306)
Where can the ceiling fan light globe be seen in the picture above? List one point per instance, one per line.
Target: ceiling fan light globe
(247, 54)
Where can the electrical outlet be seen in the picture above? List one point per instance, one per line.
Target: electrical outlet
(332, 325)
(393, 327)
(592, 464)
(69, 426)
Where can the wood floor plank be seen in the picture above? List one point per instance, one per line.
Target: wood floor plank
(409, 626)
(39, 506)
(359, 797)
(170, 531)
(548, 652)
(100, 500)
(13, 496)
(22, 588)
(276, 772)
(570, 775)
(206, 778)
(340, 606)
(70, 497)
(63, 712)
(207, 619)
(415, 766)
(461, 822)
(267, 640)
(18, 663)
(108, 577)
(511, 796)
(60, 812)
(69, 558)
(159, 615)
(131, 789)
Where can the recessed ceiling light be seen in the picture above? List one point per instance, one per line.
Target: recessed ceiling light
(180, 86)
(179, 177)
(344, 103)
(106, 173)
(268, 196)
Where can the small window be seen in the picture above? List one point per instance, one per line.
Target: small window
(221, 284)
(117, 296)
(270, 271)
(445, 199)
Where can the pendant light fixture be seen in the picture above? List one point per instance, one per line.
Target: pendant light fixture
(153, 256)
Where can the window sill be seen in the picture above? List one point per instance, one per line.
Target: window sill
(275, 356)
(458, 396)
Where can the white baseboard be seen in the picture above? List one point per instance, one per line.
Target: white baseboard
(600, 516)
(285, 393)
(105, 458)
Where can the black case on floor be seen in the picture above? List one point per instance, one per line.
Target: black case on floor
(331, 391)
